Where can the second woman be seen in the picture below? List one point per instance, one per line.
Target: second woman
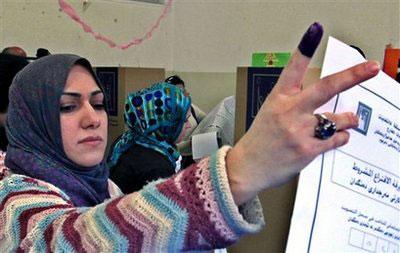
(156, 118)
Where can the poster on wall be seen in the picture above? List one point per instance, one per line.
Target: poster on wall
(108, 77)
(260, 83)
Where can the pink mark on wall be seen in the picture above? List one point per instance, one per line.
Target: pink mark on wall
(70, 11)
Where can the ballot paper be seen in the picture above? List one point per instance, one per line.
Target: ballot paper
(348, 199)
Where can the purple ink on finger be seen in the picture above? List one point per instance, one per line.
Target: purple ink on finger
(311, 39)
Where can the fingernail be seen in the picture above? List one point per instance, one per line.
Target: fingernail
(345, 139)
(354, 119)
(311, 39)
(373, 66)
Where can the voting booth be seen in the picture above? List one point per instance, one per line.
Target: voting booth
(118, 82)
(253, 84)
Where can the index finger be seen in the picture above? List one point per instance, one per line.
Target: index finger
(292, 76)
(320, 92)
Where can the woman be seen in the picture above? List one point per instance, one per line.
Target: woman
(197, 114)
(156, 117)
(55, 195)
(56, 198)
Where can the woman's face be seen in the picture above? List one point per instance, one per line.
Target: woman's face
(187, 127)
(83, 119)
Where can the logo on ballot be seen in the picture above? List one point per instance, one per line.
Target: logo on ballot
(364, 113)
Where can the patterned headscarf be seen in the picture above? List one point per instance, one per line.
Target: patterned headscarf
(33, 129)
(155, 117)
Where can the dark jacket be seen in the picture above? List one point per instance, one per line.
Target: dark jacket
(3, 139)
(138, 166)
(9, 67)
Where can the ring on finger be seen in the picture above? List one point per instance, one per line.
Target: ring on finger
(324, 128)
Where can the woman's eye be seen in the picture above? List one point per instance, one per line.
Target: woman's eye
(67, 108)
(99, 106)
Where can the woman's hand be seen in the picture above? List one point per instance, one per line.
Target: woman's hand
(281, 140)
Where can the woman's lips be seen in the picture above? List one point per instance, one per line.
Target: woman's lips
(91, 140)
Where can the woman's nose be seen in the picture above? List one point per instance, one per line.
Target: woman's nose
(90, 118)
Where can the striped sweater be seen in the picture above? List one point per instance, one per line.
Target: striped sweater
(192, 211)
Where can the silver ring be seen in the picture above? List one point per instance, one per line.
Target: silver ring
(325, 128)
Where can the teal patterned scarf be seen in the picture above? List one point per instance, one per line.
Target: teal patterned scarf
(155, 117)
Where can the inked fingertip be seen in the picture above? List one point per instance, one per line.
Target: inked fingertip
(311, 39)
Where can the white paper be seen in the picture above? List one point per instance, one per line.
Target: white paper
(221, 119)
(348, 199)
(204, 144)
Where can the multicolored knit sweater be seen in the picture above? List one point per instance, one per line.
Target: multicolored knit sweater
(193, 210)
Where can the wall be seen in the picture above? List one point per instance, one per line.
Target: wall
(219, 35)
(39, 23)
(203, 40)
